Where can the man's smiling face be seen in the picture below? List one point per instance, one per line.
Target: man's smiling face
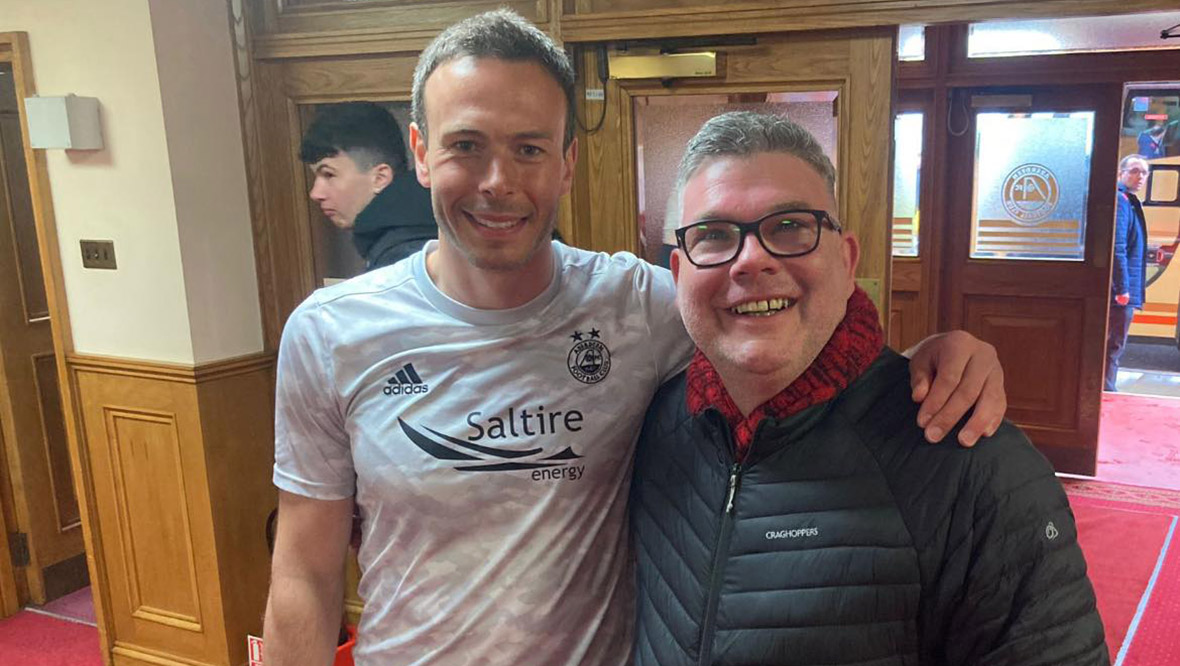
(761, 315)
(494, 159)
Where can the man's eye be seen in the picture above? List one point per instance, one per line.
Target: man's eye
(705, 234)
(531, 151)
(463, 146)
(783, 227)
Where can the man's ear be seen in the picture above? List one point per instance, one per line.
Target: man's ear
(418, 146)
(568, 161)
(674, 264)
(850, 253)
(380, 176)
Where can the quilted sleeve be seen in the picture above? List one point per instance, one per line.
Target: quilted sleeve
(1026, 598)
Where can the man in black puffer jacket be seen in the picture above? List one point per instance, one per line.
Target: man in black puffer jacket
(786, 508)
(363, 181)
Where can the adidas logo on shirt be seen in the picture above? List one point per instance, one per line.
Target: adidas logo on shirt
(406, 382)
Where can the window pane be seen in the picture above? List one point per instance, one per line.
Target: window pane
(907, 164)
(1032, 179)
(1071, 35)
(911, 43)
(1151, 120)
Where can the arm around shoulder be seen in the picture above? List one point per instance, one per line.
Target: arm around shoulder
(306, 598)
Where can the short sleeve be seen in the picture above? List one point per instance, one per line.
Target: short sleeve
(671, 345)
(312, 453)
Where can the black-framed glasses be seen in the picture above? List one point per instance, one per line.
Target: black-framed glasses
(783, 233)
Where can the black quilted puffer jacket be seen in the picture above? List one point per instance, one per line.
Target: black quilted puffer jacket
(845, 538)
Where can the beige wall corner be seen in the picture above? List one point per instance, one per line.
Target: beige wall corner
(194, 58)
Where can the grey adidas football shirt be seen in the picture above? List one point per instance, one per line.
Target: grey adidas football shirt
(489, 452)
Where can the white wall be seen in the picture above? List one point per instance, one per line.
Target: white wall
(169, 186)
(194, 57)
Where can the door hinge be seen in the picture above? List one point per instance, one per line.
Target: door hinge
(18, 547)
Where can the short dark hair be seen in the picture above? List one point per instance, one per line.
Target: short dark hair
(1125, 163)
(502, 34)
(366, 131)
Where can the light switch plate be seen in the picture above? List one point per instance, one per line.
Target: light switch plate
(98, 254)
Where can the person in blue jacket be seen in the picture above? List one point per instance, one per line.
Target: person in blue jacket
(1130, 262)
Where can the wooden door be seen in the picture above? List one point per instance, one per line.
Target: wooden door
(43, 515)
(914, 253)
(1028, 247)
(850, 71)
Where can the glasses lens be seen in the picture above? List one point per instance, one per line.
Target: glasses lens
(790, 233)
(711, 242)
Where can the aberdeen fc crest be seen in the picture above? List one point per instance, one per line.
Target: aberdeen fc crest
(589, 359)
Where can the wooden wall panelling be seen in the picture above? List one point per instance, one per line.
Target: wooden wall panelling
(368, 77)
(408, 14)
(180, 464)
(867, 160)
(604, 20)
(344, 28)
(153, 509)
(237, 428)
(577, 231)
(907, 321)
(604, 205)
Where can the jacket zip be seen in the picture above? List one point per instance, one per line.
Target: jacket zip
(719, 553)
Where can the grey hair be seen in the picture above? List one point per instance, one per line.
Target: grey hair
(1126, 161)
(502, 34)
(748, 133)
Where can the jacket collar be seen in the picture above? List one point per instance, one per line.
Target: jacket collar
(855, 344)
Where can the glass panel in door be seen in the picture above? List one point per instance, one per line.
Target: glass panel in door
(1032, 185)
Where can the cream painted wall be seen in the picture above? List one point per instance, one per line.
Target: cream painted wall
(194, 58)
(163, 188)
(123, 192)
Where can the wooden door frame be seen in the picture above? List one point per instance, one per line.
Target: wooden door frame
(922, 270)
(617, 229)
(9, 596)
(14, 48)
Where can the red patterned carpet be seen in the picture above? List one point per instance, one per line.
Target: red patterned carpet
(1128, 535)
(32, 639)
(1139, 441)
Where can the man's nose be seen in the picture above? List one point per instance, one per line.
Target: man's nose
(753, 258)
(500, 178)
(317, 192)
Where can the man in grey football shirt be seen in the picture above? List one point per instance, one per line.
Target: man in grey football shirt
(480, 400)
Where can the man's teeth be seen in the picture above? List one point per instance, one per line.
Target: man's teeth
(496, 224)
(762, 308)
